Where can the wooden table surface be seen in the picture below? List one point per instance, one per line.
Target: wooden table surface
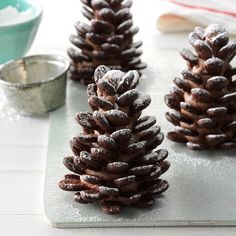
(23, 140)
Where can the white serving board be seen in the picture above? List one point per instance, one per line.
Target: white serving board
(202, 184)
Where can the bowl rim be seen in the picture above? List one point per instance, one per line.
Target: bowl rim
(52, 57)
(39, 13)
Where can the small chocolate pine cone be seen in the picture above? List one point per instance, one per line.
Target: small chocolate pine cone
(106, 40)
(203, 101)
(115, 161)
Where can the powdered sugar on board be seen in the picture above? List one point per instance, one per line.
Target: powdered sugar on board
(10, 114)
(11, 15)
(5, 110)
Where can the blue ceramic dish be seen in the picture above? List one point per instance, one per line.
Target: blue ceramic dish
(16, 39)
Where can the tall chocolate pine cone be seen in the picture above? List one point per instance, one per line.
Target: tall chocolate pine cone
(115, 162)
(203, 101)
(106, 40)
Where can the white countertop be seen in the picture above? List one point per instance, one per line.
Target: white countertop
(23, 141)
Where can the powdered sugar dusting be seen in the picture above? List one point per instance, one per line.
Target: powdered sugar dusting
(11, 15)
(213, 30)
(119, 164)
(114, 77)
(6, 111)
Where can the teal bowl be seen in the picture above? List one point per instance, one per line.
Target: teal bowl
(18, 28)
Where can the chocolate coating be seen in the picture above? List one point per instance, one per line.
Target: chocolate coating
(116, 163)
(203, 105)
(106, 40)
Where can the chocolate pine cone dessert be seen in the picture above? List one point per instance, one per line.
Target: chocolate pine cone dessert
(106, 40)
(115, 161)
(203, 101)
